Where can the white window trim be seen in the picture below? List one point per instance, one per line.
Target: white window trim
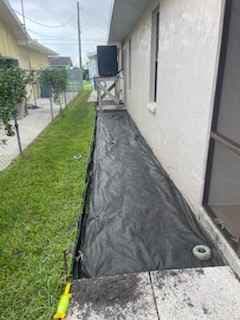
(129, 64)
(154, 59)
(152, 107)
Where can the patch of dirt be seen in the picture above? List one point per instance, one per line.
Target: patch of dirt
(107, 295)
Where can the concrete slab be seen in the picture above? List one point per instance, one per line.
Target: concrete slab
(199, 294)
(111, 107)
(107, 105)
(93, 97)
(123, 297)
(30, 127)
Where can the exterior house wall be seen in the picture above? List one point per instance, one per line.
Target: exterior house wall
(38, 60)
(178, 131)
(9, 46)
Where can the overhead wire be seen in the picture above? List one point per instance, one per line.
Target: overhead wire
(46, 37)
(53, 39)
(45, 25)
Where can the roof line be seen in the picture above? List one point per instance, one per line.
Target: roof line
(110, 21)
(22, 36)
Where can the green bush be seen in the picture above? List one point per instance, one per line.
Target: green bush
(8, 62)
(13, 82)
(56, 80)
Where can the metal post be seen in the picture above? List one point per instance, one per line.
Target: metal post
(60, 105)
(23, 15)
(79, 35)
(34, 86)
(18, 135)
(51, 104)
(28, 55)
(65, 98)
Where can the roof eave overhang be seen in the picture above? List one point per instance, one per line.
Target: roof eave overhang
(125, 14)
(36, 46)
(9, 17)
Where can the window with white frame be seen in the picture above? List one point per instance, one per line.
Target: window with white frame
(154, 55)
(130, 64)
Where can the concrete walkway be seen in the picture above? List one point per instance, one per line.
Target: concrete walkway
(111, 246)
(30, 127)
(191, 294)
(93, 97)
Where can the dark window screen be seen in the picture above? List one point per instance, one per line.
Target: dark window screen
(229, 107)
(107, 61)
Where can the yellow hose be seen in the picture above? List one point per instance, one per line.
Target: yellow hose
(63, 305)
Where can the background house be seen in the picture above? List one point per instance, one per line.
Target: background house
(16, 43)
(60, 61)
(75, 74)
(182, 87)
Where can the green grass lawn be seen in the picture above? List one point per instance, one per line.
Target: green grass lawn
(40, 202)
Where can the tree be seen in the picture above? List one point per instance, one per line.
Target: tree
(86, 74)
(13, 82)
(56, 80)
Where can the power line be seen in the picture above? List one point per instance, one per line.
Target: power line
(42, 36)
(68, 40)
(67, 44)
(36, 33)
(72, 42)
(56, 40)
(45, 25)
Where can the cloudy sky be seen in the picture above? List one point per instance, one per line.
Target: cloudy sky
(54, 24)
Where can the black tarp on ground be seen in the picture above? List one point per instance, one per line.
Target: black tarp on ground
(135, 219)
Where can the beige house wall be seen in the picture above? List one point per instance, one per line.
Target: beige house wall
(8, 44)
(38, 60)
(177, 127)
(9, 47)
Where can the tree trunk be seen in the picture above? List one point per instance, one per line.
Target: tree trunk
(51, 104)
(18, 135)
(65, 98)
(34, 94)
(60, 105)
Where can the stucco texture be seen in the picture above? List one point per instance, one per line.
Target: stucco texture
(178, 132)
(8, 44)
(9, 47)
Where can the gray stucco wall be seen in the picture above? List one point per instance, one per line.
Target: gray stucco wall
(178, 129)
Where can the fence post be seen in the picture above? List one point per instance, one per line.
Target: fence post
(18, 134)
(65, 98)
(51, 103)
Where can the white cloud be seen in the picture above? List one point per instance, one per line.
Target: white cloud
(95, 15)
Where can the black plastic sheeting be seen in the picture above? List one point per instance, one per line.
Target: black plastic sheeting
(134, 218)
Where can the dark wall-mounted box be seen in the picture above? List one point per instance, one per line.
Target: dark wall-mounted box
(107, 61)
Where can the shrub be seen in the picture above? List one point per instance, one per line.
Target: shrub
(13, 82)
(56, 80)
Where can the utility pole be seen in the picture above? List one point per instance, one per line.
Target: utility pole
(23, 15)
(79, 35)
(28, 55)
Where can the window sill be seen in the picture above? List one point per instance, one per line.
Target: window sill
(152, 107)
